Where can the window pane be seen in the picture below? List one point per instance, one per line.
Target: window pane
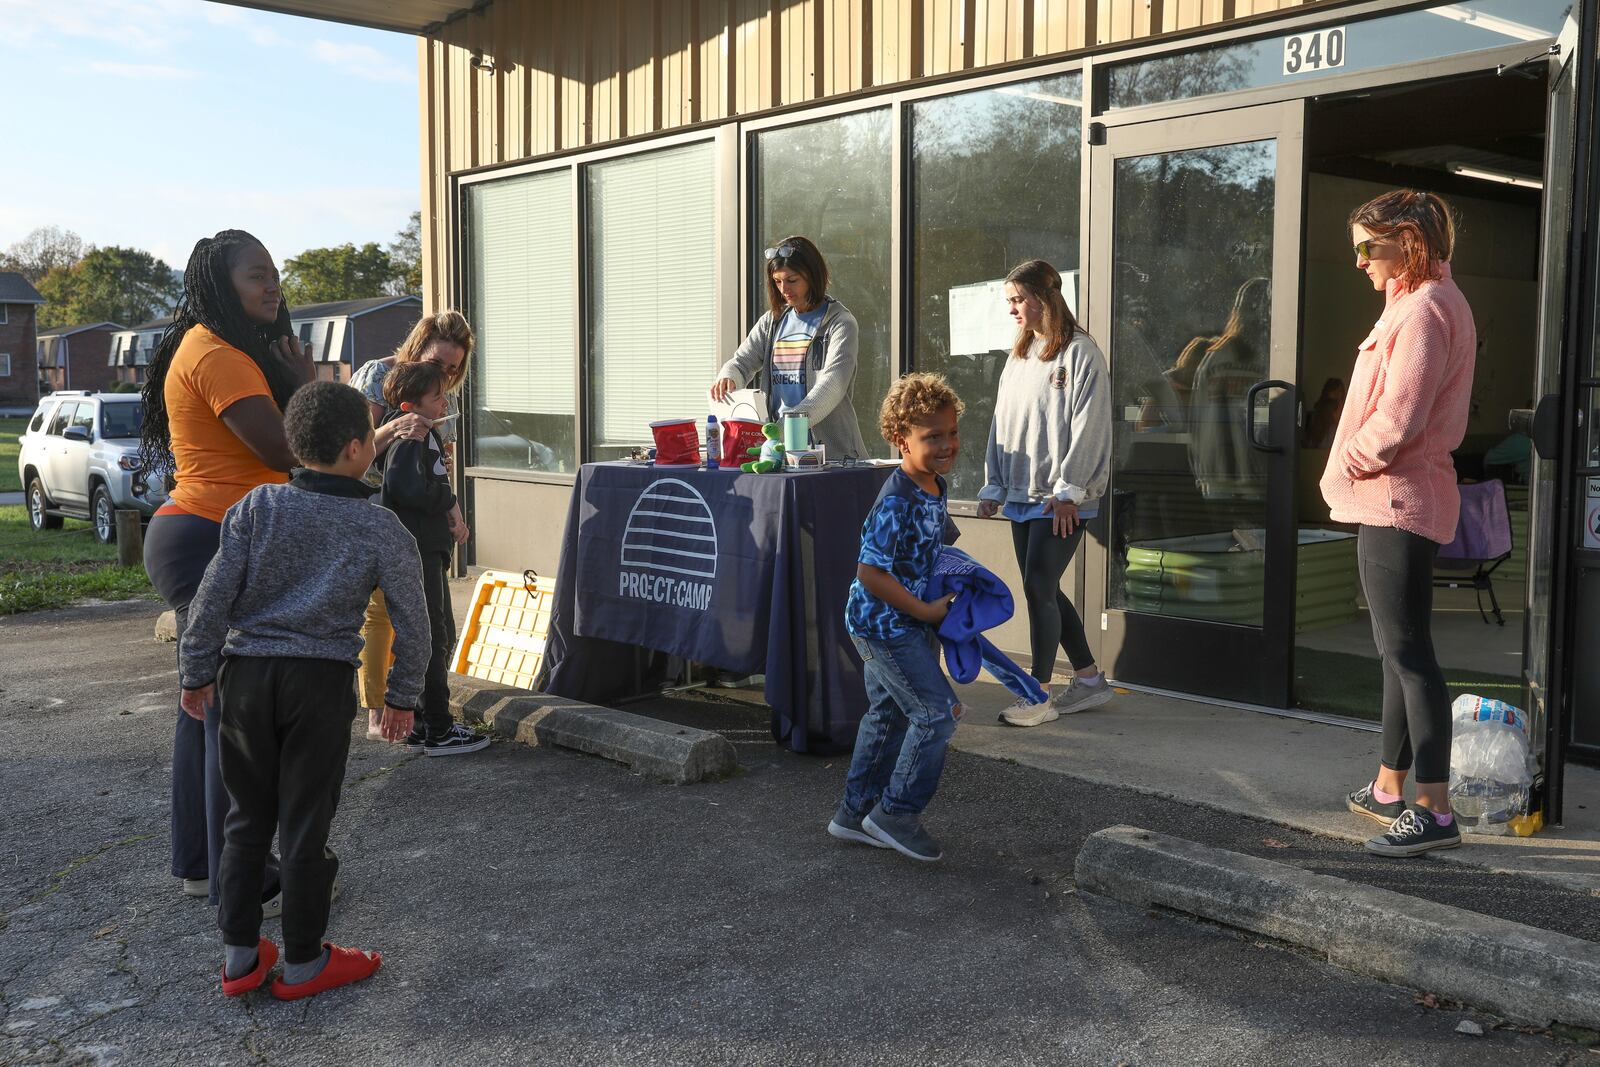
(1446, 30)
(522, 294)
(120, 420)
(1190, 333)
(995, 181)
(829, 181)
(652, 263)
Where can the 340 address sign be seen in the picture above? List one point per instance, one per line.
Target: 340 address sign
(1309, 52)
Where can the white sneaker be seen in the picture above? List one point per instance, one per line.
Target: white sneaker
(1026, 713)
(1080, 696)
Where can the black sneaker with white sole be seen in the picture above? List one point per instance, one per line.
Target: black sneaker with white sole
(457, 741)
(1416, 831)
(413, 741)
(1362, 802)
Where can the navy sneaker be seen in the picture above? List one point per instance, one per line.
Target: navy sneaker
(1414, 833)
(846, 826)
(413, 741)
(903, 833)
(457, 741)
(1362, 802)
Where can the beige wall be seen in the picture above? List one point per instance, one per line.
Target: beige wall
(572, 75)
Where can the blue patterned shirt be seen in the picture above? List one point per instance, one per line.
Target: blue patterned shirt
(903, 534)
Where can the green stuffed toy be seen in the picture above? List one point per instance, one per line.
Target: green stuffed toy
(769, 457)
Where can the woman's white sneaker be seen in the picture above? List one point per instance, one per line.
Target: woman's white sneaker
(1026, 713)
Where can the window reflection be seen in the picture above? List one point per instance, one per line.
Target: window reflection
(995, 181)
(829, 181)
(1191, 333)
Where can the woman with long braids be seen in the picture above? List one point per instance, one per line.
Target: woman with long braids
(213, 422)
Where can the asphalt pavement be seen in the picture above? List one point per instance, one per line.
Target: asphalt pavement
(537, 906)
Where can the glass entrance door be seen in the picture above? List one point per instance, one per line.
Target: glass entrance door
(1195, 254)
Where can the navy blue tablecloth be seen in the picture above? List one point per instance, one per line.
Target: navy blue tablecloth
(746, 572)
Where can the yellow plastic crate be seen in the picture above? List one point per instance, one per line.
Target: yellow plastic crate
(504, 636)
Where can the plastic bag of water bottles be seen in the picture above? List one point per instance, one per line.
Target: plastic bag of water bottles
(1491, 766)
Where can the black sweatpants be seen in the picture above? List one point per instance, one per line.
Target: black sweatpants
(1397, 578)
(284, 739)
(1042, 557)
(433, 718)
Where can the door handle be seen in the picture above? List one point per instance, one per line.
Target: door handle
(1542, 423)
(1250, 412)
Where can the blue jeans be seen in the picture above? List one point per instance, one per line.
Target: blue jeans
(910, 717)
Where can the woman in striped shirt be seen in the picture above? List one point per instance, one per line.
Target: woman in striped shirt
(803, 349)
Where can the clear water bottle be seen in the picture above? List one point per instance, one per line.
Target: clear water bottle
(1491, 771)
(713, 444)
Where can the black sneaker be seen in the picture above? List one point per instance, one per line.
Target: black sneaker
(1414, 833)
(413, 741)
(458, 741)
(1362, 802)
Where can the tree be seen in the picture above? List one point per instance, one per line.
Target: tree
(405, 252)
(45, 249)
(344, 272)
(124, 285)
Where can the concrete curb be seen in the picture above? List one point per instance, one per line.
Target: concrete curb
(167, 626)
(1527, 975)
(655, 749)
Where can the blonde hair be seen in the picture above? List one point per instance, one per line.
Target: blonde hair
(915, 398)
(1043, 282)
(449, 326)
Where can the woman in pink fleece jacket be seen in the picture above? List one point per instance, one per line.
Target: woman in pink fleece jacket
(1390, 472)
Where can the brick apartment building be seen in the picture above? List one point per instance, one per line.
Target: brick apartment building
(348, 333)
(19, 371)
(77, 357)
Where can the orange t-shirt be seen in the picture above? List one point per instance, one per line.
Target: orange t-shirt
(214, 468)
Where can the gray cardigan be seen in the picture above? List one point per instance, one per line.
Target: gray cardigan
(830, 368)
(1051, 434)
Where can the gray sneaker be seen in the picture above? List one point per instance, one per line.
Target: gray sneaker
(903, 833)
(1080, 696)
(846, 826)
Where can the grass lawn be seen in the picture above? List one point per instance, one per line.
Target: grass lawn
(52, 568)
(10, 430)
(1345, 684)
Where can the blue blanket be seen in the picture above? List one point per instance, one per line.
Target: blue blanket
(982, 602)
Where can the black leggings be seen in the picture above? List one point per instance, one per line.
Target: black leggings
(1397, 578)
(1042, 557)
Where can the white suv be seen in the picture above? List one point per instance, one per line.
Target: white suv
(80, 459)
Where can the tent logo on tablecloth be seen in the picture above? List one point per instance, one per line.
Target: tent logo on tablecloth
(669, 549)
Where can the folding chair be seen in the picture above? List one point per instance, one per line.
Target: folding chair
(1483, 542)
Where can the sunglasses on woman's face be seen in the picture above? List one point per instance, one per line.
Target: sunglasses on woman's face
(1364, 248)
(780, 252)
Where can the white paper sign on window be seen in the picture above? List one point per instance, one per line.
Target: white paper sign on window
(1591, 515)
(980, 323)
(1308, 52)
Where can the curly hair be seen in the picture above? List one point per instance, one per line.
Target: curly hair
(323, 418)
(449, 326)
(1422, 224)
(915, 398)
(408, 383)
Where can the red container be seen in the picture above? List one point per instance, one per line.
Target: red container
(677, 442)
(738, 436)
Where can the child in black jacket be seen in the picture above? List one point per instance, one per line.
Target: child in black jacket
(416, 487)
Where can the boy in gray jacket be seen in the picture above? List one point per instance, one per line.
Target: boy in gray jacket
(281, 605)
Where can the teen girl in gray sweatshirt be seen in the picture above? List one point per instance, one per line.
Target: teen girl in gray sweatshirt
(1048, 464)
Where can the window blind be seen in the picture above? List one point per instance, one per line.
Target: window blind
(525, 294)
(652, 246)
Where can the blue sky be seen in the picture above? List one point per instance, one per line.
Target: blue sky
(152, 123)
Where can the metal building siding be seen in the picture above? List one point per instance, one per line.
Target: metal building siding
(577, 73)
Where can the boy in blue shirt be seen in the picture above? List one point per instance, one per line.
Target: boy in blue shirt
(912, 711)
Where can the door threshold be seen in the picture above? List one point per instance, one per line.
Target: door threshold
(1283, 713)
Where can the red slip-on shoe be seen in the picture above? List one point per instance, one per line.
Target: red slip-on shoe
(266, 956)
(344, 966)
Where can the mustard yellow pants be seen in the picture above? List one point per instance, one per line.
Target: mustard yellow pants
(377, 652)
